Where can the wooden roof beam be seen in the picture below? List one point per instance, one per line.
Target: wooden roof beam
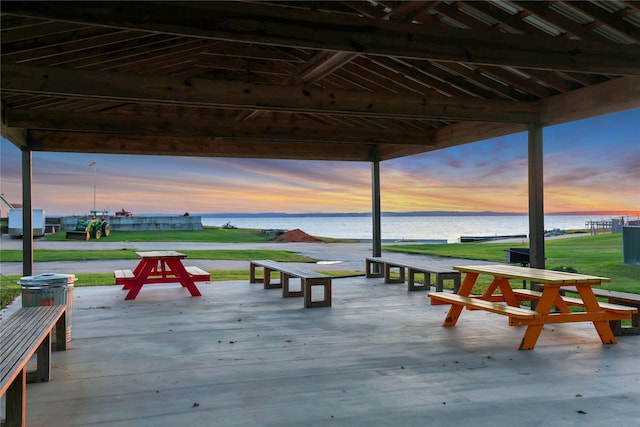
(603, 98)
(78, 142)
(105, 85)
(173, 122)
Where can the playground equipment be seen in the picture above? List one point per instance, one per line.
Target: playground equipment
(92, 228)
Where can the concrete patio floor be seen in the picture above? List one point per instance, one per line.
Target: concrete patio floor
(241, 355)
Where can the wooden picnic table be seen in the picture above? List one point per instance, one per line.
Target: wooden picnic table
(553, 283)
(160, 267)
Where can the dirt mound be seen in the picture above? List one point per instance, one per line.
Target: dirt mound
(297, 235)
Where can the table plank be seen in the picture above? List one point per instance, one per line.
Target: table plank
(549, 277)
(161, 254)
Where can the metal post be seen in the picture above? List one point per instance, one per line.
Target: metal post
(375, 211)
(536, 197)
(27, 215)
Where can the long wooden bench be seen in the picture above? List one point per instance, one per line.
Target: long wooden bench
(621, 302)
(387, 267)
(308, 280)
(26, 333)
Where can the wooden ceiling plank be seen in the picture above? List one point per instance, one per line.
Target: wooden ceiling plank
(88, 38)
(551, 79)
(609, 19)
(451, 83)
(391, 77)
(252, 23)
(514, 22)
(44, 30)
(141, 60)
(573, 28)
(119, 52)
(235, 50)
(529, 84)
(485, 86)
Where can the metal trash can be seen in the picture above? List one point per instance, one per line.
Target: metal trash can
(517, 256)
(49, 289)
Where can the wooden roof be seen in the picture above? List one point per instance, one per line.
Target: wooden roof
(353, 80)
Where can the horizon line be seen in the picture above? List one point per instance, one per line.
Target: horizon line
(616, 212)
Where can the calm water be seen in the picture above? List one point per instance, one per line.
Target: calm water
(448, 228)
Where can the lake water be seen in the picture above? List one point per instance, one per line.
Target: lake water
(448, 228)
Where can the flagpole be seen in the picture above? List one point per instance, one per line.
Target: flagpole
(94, 166)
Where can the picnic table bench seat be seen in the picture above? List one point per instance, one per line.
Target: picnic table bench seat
(26, 333)
(198, 274)
(308, 280)
(471, 303)
(123, 274)
(441, 274)
(614, 298)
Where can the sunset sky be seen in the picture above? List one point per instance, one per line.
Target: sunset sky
(589, 165)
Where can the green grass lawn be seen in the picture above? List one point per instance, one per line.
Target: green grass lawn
(207, 234)
(599, 255)
(43, 255)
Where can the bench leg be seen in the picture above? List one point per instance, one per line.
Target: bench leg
(43, 360)
(411, 282)
(267, 279)
(61, 332)
(286, 290)
(616, 325)
(252, 274)
(387, 274)
(373, 269)
(441, 277)
(16, 399)
(308, 284)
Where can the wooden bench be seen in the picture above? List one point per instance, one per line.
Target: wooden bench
(26, 333)
(471, 303)
(308, 280)
(629, 300)
(441, 274)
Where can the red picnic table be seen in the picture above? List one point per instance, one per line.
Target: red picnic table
(160, 267)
